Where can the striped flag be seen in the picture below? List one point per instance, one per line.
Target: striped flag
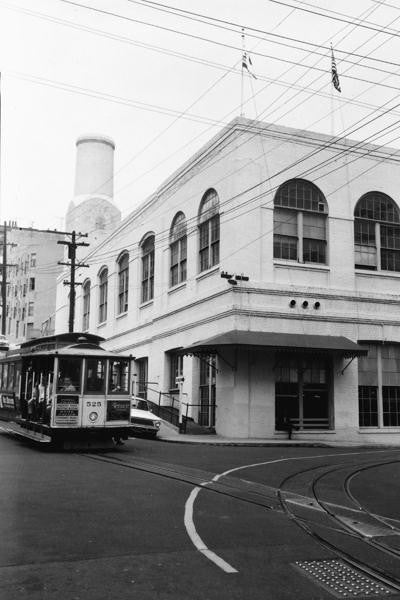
(246, 66)
(335, 76)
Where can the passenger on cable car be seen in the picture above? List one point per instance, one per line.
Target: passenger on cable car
(67, 385)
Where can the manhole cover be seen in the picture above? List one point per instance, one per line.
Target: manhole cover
(341, 580)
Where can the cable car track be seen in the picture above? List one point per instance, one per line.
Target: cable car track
(377, 566)
(281, 500)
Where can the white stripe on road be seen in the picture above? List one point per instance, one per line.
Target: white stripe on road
(188, 518)
(196, 539)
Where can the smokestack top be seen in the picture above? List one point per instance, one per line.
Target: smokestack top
(93, 137)
(94, 173)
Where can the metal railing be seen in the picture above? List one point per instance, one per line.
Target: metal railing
(167, 407)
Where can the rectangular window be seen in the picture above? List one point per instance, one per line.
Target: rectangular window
(95, 376)
(209, 243)
(176, 370)
(368, 406)
(143, 367)
(69, 375)
(291, 226)
(391, 406)
(103, 289)
(30, 309)
(31, 284)
(118, 381)
(123, 285)
(86, 307)
(178, 251)
(33, 259)
(148, 277)
(314, 251)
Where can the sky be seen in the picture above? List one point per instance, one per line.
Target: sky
(161, 82)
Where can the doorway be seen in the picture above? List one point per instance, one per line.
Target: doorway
(303, 392)
(207, 391)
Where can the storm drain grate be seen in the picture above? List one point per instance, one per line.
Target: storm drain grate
(341, 580)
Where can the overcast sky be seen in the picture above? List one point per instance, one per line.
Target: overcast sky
(161, 85)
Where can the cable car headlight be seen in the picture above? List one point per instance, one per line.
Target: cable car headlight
(157, 424)
(93, 416)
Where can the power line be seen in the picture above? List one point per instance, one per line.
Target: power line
(393, 33)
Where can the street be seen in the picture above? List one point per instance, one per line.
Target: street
(155, 520)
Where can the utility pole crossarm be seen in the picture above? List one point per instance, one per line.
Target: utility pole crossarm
(72, 246)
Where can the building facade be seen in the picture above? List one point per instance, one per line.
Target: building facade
(266, 273)
(31, 282)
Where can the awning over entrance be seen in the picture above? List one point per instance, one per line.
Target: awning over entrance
(289, 342)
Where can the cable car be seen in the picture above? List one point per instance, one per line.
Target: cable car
(66, 390)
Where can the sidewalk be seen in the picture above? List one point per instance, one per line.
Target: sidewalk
(169, 433)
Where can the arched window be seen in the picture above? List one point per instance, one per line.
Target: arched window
(377, 233)
(86, 305)
(123, 282)
(148, 269)
(178, 249)
(103, 292)
(300, 218)
(209, 230)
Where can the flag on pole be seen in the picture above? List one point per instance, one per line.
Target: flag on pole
(335, 76)
(246, 59)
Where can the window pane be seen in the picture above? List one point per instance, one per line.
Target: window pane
(285, 247)
(69, 375)
(368, 406)
(314, 251)
(390, 260)
(95, 375)
(203, 231)
(364, 232)
(365, 257)
(119, 376)
(391, 406)
(285, 222)
(314, 226)
(204, 259)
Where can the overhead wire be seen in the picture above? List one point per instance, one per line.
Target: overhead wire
(224, 211)
(394, 33)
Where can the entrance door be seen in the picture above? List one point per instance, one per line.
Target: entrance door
(207, 391)
(302, 386)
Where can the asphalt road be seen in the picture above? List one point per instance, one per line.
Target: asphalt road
(155, 520)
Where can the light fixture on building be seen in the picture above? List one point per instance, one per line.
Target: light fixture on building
(317, 305)
(305, 304)
(292, 303)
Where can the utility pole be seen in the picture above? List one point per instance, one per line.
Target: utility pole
(4, 267)
(4, 282)
(72, 246)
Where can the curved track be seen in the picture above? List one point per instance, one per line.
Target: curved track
(317, 499)
(333, 517)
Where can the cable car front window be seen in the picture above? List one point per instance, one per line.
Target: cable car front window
(95, 375)
(118, 382)
(69, 375)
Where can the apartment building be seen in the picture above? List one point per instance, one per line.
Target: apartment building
(31, 281)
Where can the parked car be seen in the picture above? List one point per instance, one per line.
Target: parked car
(143, 421)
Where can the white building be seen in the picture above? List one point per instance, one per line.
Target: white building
(313, 335)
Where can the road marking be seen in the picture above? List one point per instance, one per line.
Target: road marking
(196, 539)
(189, 505)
